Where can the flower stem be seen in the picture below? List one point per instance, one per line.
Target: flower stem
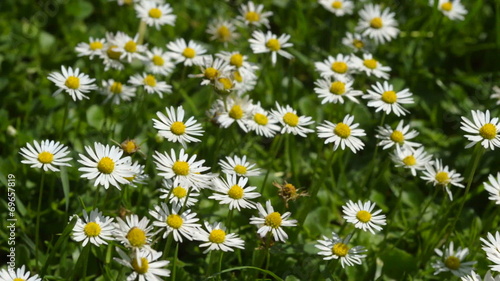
(37, 231)
(229, 219)
(141, 31)
(174, 263)
(65, 116)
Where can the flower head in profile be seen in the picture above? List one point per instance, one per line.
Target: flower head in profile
(363, 217)
(239, 166)
(94, 228)
(491, 246)
(233, 191)
(179, 223)
(272, 222)
(496, 94)
(343, 134)
(452, 261)
(452, 9)
(475, 277)
(145, 265)
(493, 188)
(190, 53)
(270, 43)
(173, 127)
(484, 129)
(155, 14)
(216, 238)
(251, 14)
(47, 155)
(396, 137)
(377, 24)
(338, 248)
(73, 82)
(384, 98)
(355, 42)
(19, 274)
(291, 122)
(438, 174)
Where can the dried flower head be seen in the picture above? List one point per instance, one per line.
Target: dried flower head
(288, 192)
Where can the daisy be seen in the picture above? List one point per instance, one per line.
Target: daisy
(355, 41)
(217, 239)
(336, 248)
(491, 245)
(453, 9)
(190, 53)
(475, 277)
(238, 166)
(493, 188)
(496, 94)
(159, 62)
(398, 137)
(235, 109)
(233, 192)
(155, 14)
(271, 221)
(254, 15)
(212, 69)
(45, 155)
(244, 81)
(93, 48)
(146, 266)
(385, 99)
(73, 82)
(223, 31)
(342, 134)
(263, 123)
(186, 169)
(269, 42)
(106, 165)
(173, 128)
(110, 54)
(179, 224)
(94, 228)
(439, 175)
(485, 129)
(238, 61)
(130, 146)
(377, 24)
(338, 67)
(128, 47)
(138, 176)
(452, 261)
(371, 66)
(291, 122)
(151, 84)
(335, 91)
(18, 274)
(134, 234)
(116, 92)
(413, 159)
(362, 216)
(177, 194)
(338, 7)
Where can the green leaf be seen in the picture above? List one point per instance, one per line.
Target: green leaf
(95, 116)
(65, 234)
(79, 9)
(65, 184)
(398, 262)
(46, 41)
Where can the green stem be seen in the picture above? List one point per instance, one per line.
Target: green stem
(37, 231)
(65, 116)
(229, 220)
(168, 244)
(219, 266)
(142, 32)
(174, 263)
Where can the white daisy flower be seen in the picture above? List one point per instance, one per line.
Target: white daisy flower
(73, 82)
(338, 7)
(238, 61)
(254, 15)
(343, 134)
(233, 192)
(291, 122)
(398, 137)
(151, 84)
(475, 277)
(139, 177)
(146, 266)
(155, 14)
(338, 67)
(452, 261)
(452, 9)
(413, 159)
(384, 98)
(244, 81)
(125, 2)
(216, 238)
(188, 170)
(336, 248)
(493, 188)
(235, 109)
(159, 62)
(106, 166)
(134, 234)
(335, 91)
(485, 129)
(111, 55)
(491, 245)
(173, 127)
(377, 24)
(212, 69)
(46, 155)
(439, 175)
(17, 275)
(238, 166)
(371, 66)
(355, 41)
(128, 46)
(496, 94)
(179, 224)
(271, 221)
(362, 216)
(190, 53)
(268, 42)
(263, 123)
(93, 48)
(94, 228)
(223, 31)
(116, 92)
(177, 194)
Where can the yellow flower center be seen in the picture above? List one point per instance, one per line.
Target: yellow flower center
(235, 192)
(452, 263)
(227, 84)
(397, 136)
(363, 216)
(273, 44)
(410, 160)
(136, 237)
(236, 112)
(291, 119)
(260, 119)
(447, 6)
(130, 46)
(95, 45)
(113, 54)
(19, 279)
(178, 128)
(174, 221)
(339, 67)
(189, 53)
(488, 131)
(132, 178)
(157, 60)
(337, 88)
(389, 97)
(179, 192)
(211, 73)
(252, 16)
(155, 13)
(116, 88)
(236, 60)
(358, 43)
(370, 63)
(150, 80)
(72, 82)
(240, 169)
(273, 220)
(337, 5)
(217, 236)
(340, 249)
(376, 23)
(342, 130)
(237, 76)
(289, 190)
(92, 229)
(181, 168)
(106, 165)
(140, 269)
(224, 33)
(442, 178)
(45, 157)
(129, 146)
